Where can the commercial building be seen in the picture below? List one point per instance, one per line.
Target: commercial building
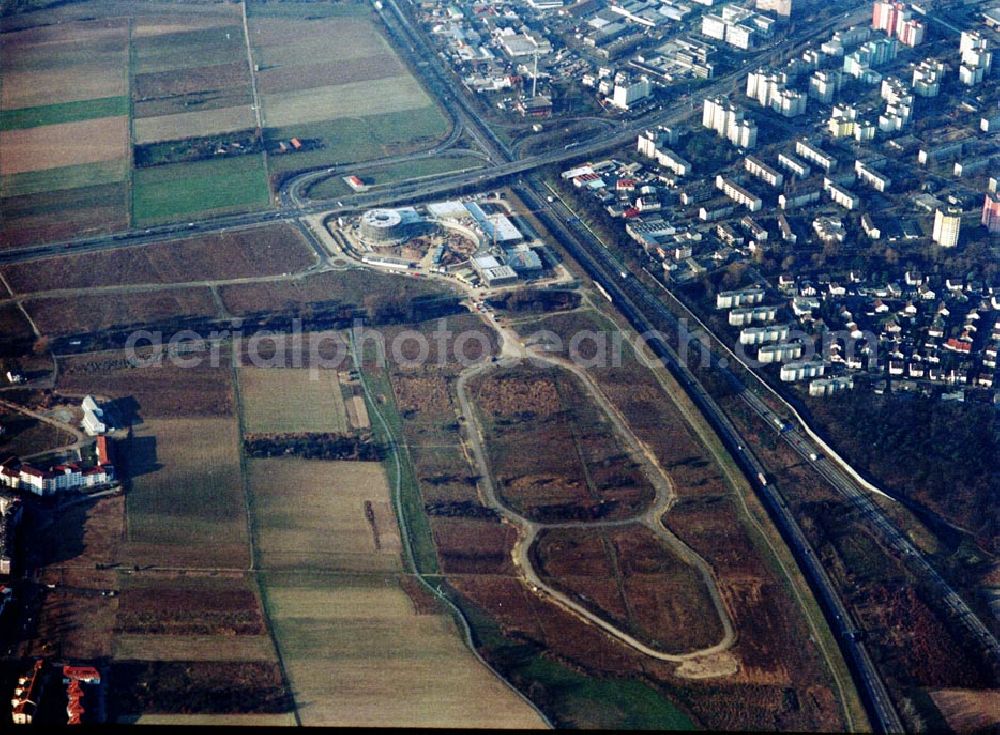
(737, 26)
(387, 226)
(492, 272)
(947, 226)
(94, 420)
(629, 92)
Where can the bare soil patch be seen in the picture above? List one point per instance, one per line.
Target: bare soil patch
(247, 253)
(50, 146)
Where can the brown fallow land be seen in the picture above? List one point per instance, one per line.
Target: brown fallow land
(248, 253)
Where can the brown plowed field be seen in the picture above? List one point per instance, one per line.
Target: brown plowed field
(165, 392)
(50, 146)
(576, 469)
(474, 546)
(207, 606)
(48, 216)
(259, 251)
(633, 577)
(81, 314)
(194, 124)
(185, 81)
(346, 287)
(64, 63)
(307, 76)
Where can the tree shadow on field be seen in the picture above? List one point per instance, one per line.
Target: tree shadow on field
(140, 456)
(123, 411)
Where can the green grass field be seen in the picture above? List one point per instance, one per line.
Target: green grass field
(421, 539)
(279, 401)
(334, 186)
(63, 112)
(353, 139)
(574, 700)
(176, 191)
(64, 177)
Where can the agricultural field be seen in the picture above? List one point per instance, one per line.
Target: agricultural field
(315, 77)
(246, 253)
(360, 653)
(632, 577)
(171, 605)
(73, 618)
(180, 190)
(25, 435)
(289, 400)
(64, 130)
(318, 515)
(152, 391)
(91, 313)
(342, 287)
(577, 470)
(185, 501)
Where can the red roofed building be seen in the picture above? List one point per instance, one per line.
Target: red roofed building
(625, 184)
(957, 345)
